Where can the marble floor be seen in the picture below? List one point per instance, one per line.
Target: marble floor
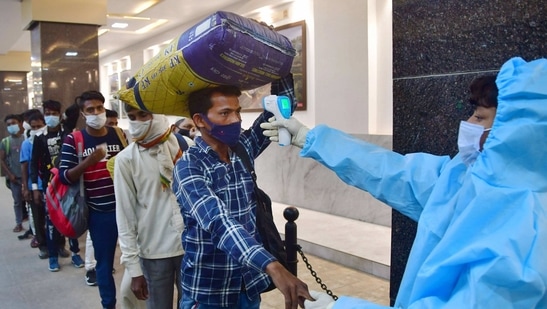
(26, 282)
(339, 279)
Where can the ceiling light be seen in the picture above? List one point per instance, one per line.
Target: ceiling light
(151, 26)
(71, 54)
(119, 16)
(120, 25)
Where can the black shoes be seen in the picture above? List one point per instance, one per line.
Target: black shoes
(91, 277)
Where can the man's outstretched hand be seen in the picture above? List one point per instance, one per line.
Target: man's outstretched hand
(293, 289)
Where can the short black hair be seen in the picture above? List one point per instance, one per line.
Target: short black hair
(51, 105)
(483, 91)
(128, 108)
(36, 117)
(88, 95)
(199, 102)
(13, 116)
(30, 112)
(72, 114)
(110, 113)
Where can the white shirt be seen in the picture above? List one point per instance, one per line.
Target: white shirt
(148, 215)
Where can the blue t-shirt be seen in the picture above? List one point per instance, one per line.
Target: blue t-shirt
(25, 156)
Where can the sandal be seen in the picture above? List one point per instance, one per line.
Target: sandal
(18, 228)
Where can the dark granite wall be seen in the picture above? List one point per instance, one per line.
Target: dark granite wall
(63, 77)
(438, 48)
(13, 96)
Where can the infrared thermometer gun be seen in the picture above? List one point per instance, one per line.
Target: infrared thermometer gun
(280, 106)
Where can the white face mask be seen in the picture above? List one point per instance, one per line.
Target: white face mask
(37, 132)
(139, 129)
(95, 121)
(26, 126)
(469, 137)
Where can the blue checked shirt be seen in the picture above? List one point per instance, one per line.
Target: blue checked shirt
(223, 252)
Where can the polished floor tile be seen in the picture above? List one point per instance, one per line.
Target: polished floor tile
(26, 282)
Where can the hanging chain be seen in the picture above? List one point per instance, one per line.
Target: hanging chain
(314, 274)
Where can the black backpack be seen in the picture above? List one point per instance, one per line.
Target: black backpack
(271, 240)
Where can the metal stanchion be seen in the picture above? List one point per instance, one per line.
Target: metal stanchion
(291, 245)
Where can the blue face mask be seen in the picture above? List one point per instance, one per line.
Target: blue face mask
(13, 129)
(227, 134)
(52, 121)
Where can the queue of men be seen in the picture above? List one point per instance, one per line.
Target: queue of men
(41, 139)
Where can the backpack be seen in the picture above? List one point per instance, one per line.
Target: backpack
(66, 204)
(269, 235)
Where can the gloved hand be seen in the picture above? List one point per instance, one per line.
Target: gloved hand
(322, 301)
(298, 130)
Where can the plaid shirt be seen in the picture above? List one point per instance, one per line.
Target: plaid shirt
(223, 252)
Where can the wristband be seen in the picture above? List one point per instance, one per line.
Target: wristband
(34, 186)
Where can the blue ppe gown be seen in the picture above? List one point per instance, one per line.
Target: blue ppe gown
(482, 231)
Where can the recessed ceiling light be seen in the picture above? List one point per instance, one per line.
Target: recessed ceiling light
(71, 54)
(120, 25)
(151, 26)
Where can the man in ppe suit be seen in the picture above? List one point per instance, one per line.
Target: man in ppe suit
(482, 219)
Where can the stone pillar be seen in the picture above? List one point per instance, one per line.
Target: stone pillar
(438, 48)
(13, 96)
(64, 47)
(65, 61)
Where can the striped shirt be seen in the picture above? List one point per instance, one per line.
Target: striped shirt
(223, 251)
(99, 187)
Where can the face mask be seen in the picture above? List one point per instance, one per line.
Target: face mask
(26, 126)
(227, 134)
(37, 132)
(184, 132)
(13, 129)
(95, 121)
(52, 121)
(469, 137)
(139, 129)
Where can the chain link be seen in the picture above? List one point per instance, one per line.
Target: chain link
(314, 274)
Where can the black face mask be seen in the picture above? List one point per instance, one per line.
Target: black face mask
(184, 132)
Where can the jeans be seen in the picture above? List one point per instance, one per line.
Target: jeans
(104, 234)
(162, 276)
(18, 200)
(55, 241)
(243, 303)
(39, 216)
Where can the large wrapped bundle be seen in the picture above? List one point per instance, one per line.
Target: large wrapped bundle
(223, 49)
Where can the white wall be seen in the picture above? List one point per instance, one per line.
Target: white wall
(349, 86)
(348, 61)
(380, 61)
(341, 65)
